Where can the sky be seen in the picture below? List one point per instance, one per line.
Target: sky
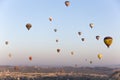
(39, 42)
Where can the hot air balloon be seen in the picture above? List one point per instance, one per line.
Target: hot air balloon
(67, 3)
(50, 19)
(91, 25)
(6, 42)
(108, 41)
(28, 26)
(79, 33)
(30, 58)
(58, 50)
(100, 56)
(72, 52)
(97, 37)
(56, 40)
(10, 55)
(55, 30)
(90, 62)
(82, 39)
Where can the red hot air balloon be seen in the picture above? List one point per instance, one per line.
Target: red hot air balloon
(30, 58)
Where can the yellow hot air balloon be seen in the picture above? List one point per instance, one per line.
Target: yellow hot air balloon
(67, 3)
(100, 56)
(108, 41)
(28, 26)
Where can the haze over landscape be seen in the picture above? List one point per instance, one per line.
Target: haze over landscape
(39, 42)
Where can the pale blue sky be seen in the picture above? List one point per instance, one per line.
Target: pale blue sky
(39, 41)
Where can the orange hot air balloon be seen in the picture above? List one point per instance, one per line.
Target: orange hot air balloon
(30, 58)
(108, 41)
(67, 3)
(28, 26)
(58, 50)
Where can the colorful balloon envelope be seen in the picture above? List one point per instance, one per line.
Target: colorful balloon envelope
(100, 56)
(108, 41)
(28, 26)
